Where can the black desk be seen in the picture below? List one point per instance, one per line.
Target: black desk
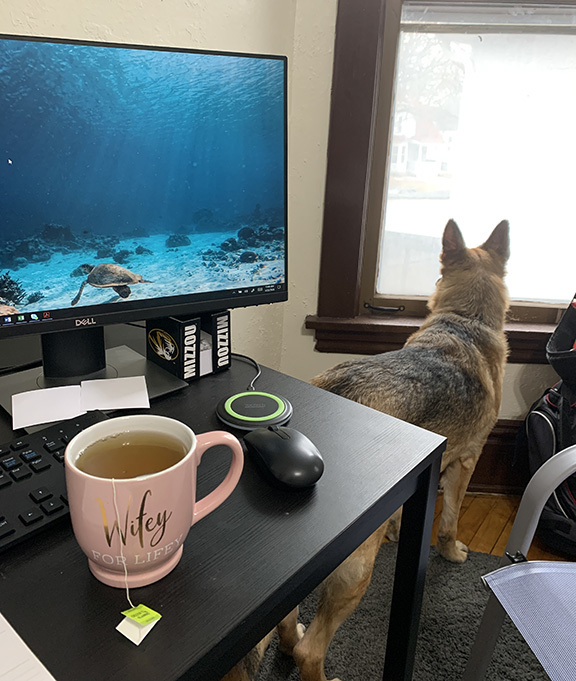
(247, 564)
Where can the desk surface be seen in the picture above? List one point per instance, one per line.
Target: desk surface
(244, 566)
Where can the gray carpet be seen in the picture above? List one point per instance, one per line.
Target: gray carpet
(454, 600)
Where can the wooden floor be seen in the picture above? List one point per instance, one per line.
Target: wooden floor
(485, 523)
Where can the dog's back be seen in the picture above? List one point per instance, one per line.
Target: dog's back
(448, 376)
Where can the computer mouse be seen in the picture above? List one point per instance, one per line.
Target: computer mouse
(286, 457)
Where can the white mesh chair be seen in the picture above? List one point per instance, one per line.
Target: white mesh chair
(539, 596)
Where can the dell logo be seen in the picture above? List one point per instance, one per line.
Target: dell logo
(84, 322)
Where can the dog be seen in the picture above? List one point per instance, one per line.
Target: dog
(448, 379)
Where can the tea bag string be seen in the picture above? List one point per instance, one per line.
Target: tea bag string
(121, 549)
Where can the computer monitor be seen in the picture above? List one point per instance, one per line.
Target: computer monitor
(136, 182)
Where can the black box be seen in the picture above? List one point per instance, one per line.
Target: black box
(190, 348)
(215, 336)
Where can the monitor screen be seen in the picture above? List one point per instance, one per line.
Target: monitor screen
(137, 182)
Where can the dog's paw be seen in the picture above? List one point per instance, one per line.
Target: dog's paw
(455, 552)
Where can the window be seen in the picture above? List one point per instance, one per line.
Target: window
(484, 99)
(462, 145)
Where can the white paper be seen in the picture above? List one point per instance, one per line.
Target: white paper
(205, 353)
(45, 406)
(58, 404)
(115, 393)
(133, 631)
(17, 661)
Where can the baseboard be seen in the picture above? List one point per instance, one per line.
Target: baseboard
(498, 470)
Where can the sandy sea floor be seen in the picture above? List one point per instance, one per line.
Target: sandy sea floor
(173, 272)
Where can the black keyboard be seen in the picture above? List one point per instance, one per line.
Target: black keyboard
(32, 482)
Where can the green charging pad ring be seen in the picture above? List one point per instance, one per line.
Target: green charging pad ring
(253, 409)
(231, 400)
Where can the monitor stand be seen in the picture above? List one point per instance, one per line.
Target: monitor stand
(72, 356)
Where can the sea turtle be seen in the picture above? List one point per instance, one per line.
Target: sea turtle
(109, 275)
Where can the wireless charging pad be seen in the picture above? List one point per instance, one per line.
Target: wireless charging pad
(252, 409)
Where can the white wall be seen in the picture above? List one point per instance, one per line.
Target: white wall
(304, 31)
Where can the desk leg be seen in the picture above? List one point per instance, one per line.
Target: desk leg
(410, 575)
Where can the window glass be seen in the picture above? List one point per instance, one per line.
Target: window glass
(484, 129)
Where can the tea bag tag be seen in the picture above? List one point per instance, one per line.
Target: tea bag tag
(138, 622)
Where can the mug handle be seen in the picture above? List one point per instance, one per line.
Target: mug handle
(211, 501)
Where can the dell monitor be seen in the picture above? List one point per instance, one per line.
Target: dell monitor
(136, 182)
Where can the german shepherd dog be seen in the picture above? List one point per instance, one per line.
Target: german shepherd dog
(447, 379)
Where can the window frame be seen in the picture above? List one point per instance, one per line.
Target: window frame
(366, 38)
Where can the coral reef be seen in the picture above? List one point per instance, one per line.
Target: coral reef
(142, 250)
(11, 291)
(262, 246)
(177, 240)
(122, 256)
(35, 297)
(53, 238)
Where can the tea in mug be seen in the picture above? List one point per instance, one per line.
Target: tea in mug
(131, 454)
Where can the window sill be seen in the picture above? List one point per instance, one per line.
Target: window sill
(370, 335)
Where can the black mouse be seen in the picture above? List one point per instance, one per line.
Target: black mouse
(285, 456)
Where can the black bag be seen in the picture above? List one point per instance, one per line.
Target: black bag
(549, 428)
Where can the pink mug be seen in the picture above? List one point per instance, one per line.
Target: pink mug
(132, 529)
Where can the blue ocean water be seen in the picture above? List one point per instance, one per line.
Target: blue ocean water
(108, 152)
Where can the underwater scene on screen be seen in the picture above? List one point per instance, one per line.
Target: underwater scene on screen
(130, 174)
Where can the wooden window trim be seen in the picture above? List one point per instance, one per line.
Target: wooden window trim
(339, 324)
(365, 335)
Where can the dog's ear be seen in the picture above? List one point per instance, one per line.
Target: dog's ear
(499, 240)
(453, 246)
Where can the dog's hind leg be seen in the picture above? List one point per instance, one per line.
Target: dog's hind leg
(290, 632)
(455, 479)
(341, 593)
